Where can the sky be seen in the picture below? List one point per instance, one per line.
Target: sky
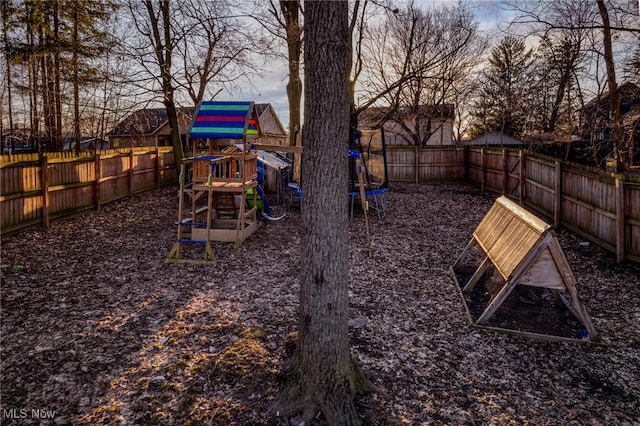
(270, 85)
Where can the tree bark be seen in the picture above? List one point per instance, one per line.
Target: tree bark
(163, 45)
(290, 11)
(5, 23)
(570, 57)
(47, 85)
(620, 150)
(57, 95)
(351, 80)
(33, 66)
(321, 376)
(76, 83)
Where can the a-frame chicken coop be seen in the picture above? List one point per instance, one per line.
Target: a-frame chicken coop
(213, 187)
(515, 278)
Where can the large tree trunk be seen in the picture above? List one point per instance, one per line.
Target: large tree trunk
(322, 377)
(5, 23)
(76, 83)
(167, 85)
(620, 149)
(172, 117)
(47, 101)
(565, 79)
(57, 95)
(354, 69)
(33, 66)
(163, 44)
(290, 10)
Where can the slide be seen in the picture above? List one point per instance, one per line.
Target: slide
(266, 208)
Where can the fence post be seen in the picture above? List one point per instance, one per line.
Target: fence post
(523, 177)
(131, 172)
(97, 165)
(157, 167)
(557, 195)
(483, 170)
(620, 243)
(505, 172)
(417, 165)
(466, 163)
(44, 178)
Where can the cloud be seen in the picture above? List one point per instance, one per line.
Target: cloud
(269, 87)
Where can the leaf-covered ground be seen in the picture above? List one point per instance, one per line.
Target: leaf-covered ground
(97, 328)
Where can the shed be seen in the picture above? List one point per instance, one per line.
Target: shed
(273, 169)
(494, 139)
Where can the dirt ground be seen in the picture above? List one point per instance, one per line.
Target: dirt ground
(98, 329)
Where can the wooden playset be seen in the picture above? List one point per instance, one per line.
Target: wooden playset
(214, 187)
(524, 253)
(219, 188)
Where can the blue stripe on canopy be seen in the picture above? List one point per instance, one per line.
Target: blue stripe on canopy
(221, 120)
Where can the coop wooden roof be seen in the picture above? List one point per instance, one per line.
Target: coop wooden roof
(508, 233)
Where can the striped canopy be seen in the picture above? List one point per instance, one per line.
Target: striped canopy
(224, 120)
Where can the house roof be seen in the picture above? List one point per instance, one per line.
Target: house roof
(148, 121)
(260, 108)
(631, 118)
(69, 143)
(377, 115)
(629, 95)
(279, 130)
(145, 121)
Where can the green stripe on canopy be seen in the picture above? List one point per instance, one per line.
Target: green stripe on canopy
(215, 130)
(218, 107)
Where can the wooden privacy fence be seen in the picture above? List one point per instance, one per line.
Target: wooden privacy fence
(425, 164)
(602, 207)
(35, 188)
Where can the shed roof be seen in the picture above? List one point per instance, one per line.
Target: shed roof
(494, 138)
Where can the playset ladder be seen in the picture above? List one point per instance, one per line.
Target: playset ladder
(225, 205)
(187, 190)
